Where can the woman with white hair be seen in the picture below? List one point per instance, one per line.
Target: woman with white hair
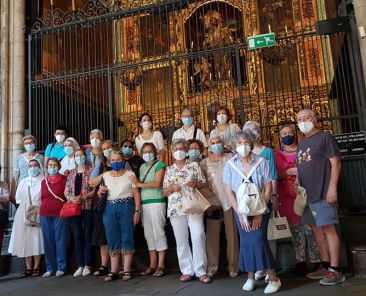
(26, 239)
(255, 252)
(68, 162)
(96, 139)
(180, 179)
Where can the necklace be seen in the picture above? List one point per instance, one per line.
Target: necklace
(289, 150)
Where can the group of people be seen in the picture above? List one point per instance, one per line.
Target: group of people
(116, 187)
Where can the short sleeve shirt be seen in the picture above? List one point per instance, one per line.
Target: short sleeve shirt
(268, 154)
(57, 151)
(119, 187)
(188, 135)
(313, 164)
(157, 139)
(260, 177)
(174, 175)
(150, 195)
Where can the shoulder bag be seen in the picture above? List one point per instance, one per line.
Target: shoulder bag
(32, 213)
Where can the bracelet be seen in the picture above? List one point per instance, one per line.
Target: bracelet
(138, 211)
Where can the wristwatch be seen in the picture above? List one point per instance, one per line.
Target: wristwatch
(138, 211)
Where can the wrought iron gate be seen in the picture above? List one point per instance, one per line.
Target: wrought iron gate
(101, 64)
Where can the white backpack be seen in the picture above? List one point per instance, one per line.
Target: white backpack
(249, 197)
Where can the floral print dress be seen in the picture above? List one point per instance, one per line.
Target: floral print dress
(173, 175)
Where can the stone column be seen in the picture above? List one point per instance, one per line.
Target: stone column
(4, 85)
(360, 12)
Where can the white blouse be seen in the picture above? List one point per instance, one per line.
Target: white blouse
(119, 187)
(157, 139)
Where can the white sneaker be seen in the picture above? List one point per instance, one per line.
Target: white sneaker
(47, 274)
(249, 285)
(60, 273)
(258, 276)
(273, 287)
(87, 271)
(78, 272)
(267, 278)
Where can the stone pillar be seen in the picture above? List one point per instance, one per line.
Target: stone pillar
(360, 12)
(12, 82)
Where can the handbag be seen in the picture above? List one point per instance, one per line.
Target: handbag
(70, 209)
(101, 201)
(300, 201)
(278, 228)
(195, 203)
(210, 197)
(32, 213)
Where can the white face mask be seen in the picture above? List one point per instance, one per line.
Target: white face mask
(107, 152)
(60, 138)
(179, 155)
(95, 142)
(221, 118)
(146, 125)
(305, 126)
(243, 150)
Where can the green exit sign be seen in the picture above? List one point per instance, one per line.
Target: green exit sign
(259, 41)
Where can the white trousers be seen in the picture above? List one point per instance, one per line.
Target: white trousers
(195, 262)
(153, 221)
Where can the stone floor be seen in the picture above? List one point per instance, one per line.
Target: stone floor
(170, 285)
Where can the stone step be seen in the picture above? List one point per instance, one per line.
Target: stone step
(358, 254)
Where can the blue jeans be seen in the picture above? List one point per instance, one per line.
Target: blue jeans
(82, 229)
(119, 227)
(55, 234)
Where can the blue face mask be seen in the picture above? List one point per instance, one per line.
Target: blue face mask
(80, 160)
(126, 151)
(147, 157)
(194, 153)
(288, 140)
(69, 150)
(52, 171)
(217, 148)
(188, 121)
(34, 171)
(29, 147)
(118, 165)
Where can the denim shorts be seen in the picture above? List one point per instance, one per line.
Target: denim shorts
(119, 227)
(320, 213)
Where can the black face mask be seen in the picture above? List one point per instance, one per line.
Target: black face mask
(288, 140)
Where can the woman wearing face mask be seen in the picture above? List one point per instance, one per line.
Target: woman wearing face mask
(22, 160)
(195, 150)
(148, 135)
(189, 131)
(78, 191)
(255, 252)
(54, 228)
(224, 128)
(153, 208)
(121, 214)
(98, 237)
(179, 182)
(68, 162)
(26, 240)
(213, 168)
(96, 138)
(302, 236)
(133, 162)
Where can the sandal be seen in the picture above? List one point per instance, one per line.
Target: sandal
(26, 273)
(159, 272)
(148, 271)
(127, 275)
(102, 270)
(185, 278)
(111, 277)
(36, 272)
(205, 279)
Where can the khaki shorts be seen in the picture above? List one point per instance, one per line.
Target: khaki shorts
(320, 213)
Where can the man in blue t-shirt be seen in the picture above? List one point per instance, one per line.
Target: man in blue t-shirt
(56, 149)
